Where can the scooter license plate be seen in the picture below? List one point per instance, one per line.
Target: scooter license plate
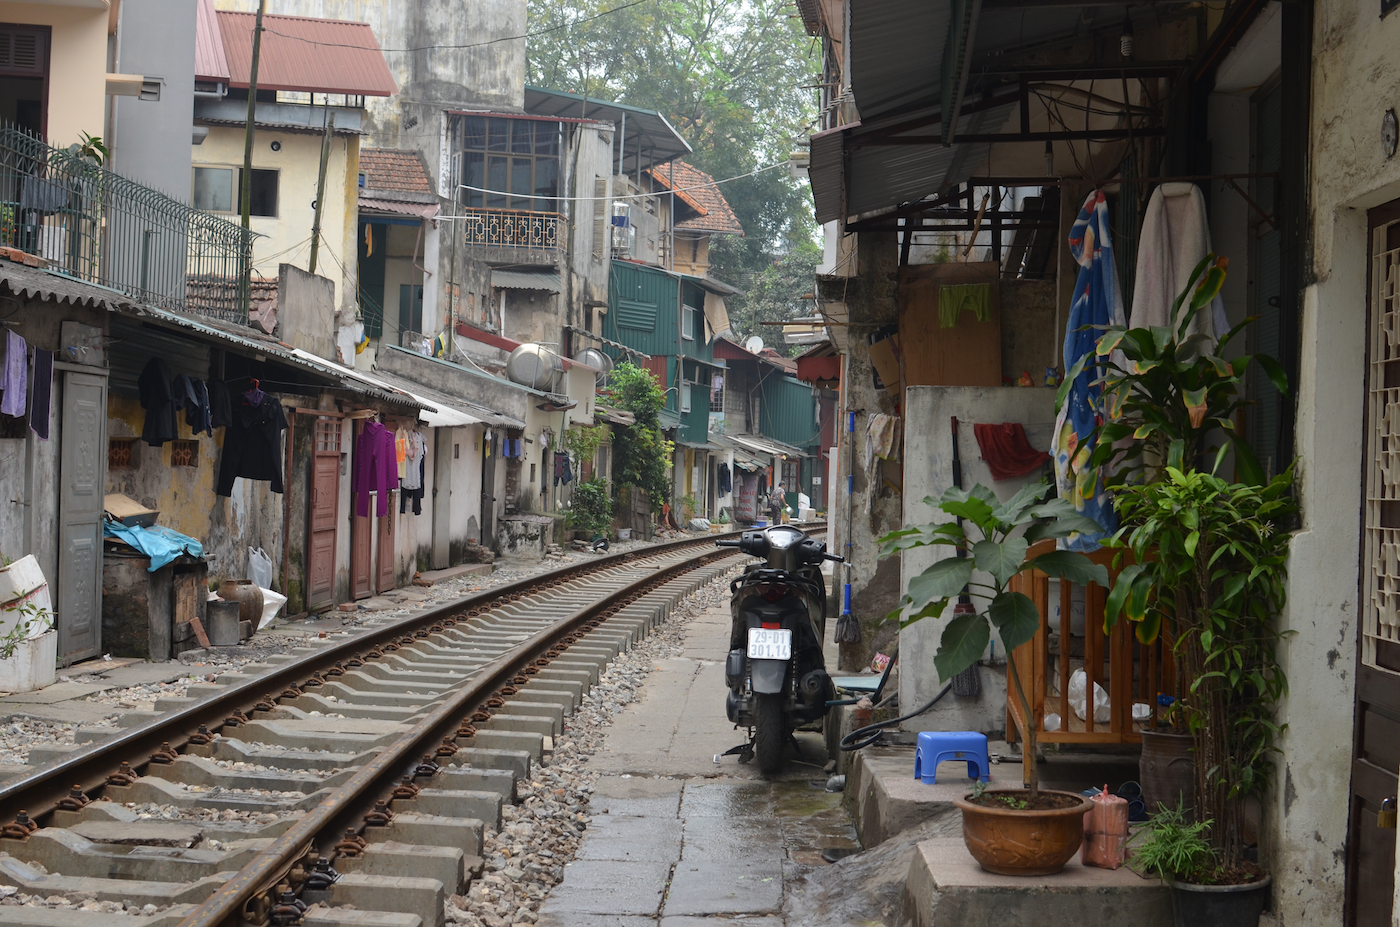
(770, 644)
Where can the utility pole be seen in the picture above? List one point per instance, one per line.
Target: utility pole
(328, 121)
(246, 198)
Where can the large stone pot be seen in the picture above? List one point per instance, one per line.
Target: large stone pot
(248, 596)
(1023, 843)
(1167, 770)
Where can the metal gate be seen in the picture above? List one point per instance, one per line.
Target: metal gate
(82, 481)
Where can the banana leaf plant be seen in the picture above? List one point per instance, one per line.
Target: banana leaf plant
(1168, 389)
(994, 538)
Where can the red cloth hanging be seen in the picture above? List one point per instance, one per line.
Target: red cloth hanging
(1007, 451)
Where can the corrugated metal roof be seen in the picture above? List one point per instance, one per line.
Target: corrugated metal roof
(310, 55)
(896, 52)
(421, 210)
(35, 283)
(647, 130)
(209, 60)
(521, 280)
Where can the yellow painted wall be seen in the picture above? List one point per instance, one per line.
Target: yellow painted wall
(692, 253)
(286, 239)
(77, 66)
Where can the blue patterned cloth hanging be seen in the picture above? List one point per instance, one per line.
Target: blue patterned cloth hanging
(1097, 302)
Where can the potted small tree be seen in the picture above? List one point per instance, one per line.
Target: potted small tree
(1029, 831)
(1210, 563)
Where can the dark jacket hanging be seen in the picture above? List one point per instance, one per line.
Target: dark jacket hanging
(220, 410)
(193, 396)
(156, 392)
(253, 445)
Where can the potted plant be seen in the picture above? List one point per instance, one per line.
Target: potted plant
(1210, 563)
(590, 508)
(1029, 831)
(1178, 851)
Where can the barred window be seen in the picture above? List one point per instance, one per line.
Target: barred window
(516, 160)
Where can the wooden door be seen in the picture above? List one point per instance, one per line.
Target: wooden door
(1370, 867)
(361, 534)
(82, 478)
(321, 525)
(490, 449)
(386, 578)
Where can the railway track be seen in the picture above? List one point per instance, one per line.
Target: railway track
(361, 775)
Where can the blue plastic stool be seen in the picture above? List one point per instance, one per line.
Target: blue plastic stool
(936, 746)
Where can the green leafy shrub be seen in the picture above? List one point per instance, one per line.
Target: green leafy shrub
(590, 507)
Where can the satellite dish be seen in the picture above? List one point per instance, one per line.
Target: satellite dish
(754, 344)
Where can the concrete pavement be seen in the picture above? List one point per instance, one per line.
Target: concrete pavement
(680, 840)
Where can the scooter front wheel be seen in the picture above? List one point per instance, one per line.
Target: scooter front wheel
(770, 732)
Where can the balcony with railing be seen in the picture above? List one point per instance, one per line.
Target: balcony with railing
(89, 223)
(509, 228)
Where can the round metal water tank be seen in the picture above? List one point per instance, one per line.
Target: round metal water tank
(598, 360)
(533, 365)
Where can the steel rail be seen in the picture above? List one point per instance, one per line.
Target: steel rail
(378, 777)
(38, 793)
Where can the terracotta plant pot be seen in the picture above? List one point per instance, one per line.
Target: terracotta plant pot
(1023, 843)
(248, 596)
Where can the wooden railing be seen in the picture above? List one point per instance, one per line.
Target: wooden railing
(1129, 672)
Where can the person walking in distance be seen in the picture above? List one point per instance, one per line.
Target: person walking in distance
(777, 502)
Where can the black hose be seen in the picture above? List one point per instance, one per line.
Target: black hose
(849, 744)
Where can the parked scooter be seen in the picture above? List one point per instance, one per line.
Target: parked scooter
(775, 670)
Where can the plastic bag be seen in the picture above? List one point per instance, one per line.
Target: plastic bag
(259, 567)
(1105, 831)
(1077, 683)
(272, 604)
(1052, 722)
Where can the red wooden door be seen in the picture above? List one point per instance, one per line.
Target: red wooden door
(325, 499)
(387, 535)
(361, 572)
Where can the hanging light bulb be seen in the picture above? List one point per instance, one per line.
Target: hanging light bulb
(1125, 39)
(1049, 159)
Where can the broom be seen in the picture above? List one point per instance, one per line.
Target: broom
(847, 627)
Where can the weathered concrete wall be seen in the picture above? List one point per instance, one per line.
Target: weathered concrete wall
(470, 59)
(306, 311)
(1029, 341)
(524, 535)
(150, 137)
(184, 496)
(870, 297)
(496, 394)
(928, 448)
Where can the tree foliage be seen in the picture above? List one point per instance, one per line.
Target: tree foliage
(641, 452)
(728, 74)
(775, 294)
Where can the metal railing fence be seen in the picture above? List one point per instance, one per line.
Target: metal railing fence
(90, 223)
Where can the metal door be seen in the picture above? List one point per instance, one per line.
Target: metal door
(82, 479)
(321, 526)
(387, 536)
(1370, 869)
(361, 585)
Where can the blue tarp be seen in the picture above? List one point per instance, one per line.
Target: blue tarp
(160, 544)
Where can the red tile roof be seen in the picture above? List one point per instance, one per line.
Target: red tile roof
(395, 170)
(698, 190)
(309, 55)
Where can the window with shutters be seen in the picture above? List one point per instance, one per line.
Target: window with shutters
(600, 216)
(24, 65)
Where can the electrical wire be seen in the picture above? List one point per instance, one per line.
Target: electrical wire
(604, 199)
(871, 732)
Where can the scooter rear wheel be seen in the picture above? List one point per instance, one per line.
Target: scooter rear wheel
(770, 732)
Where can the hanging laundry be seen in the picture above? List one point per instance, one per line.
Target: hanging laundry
(563, 473)
(253, 395)
(1007, 451)
(723, 481)
(41, 393)
(253, 444)
(220, 409)
(882, 440)
(14, 374)
(1175, 238)
(192, 395)
(416, 494)
(155, 390)
(401, 451)
(415, 449)
(373, 469)
(953, 300)
(1097, 301)
(716, 386)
